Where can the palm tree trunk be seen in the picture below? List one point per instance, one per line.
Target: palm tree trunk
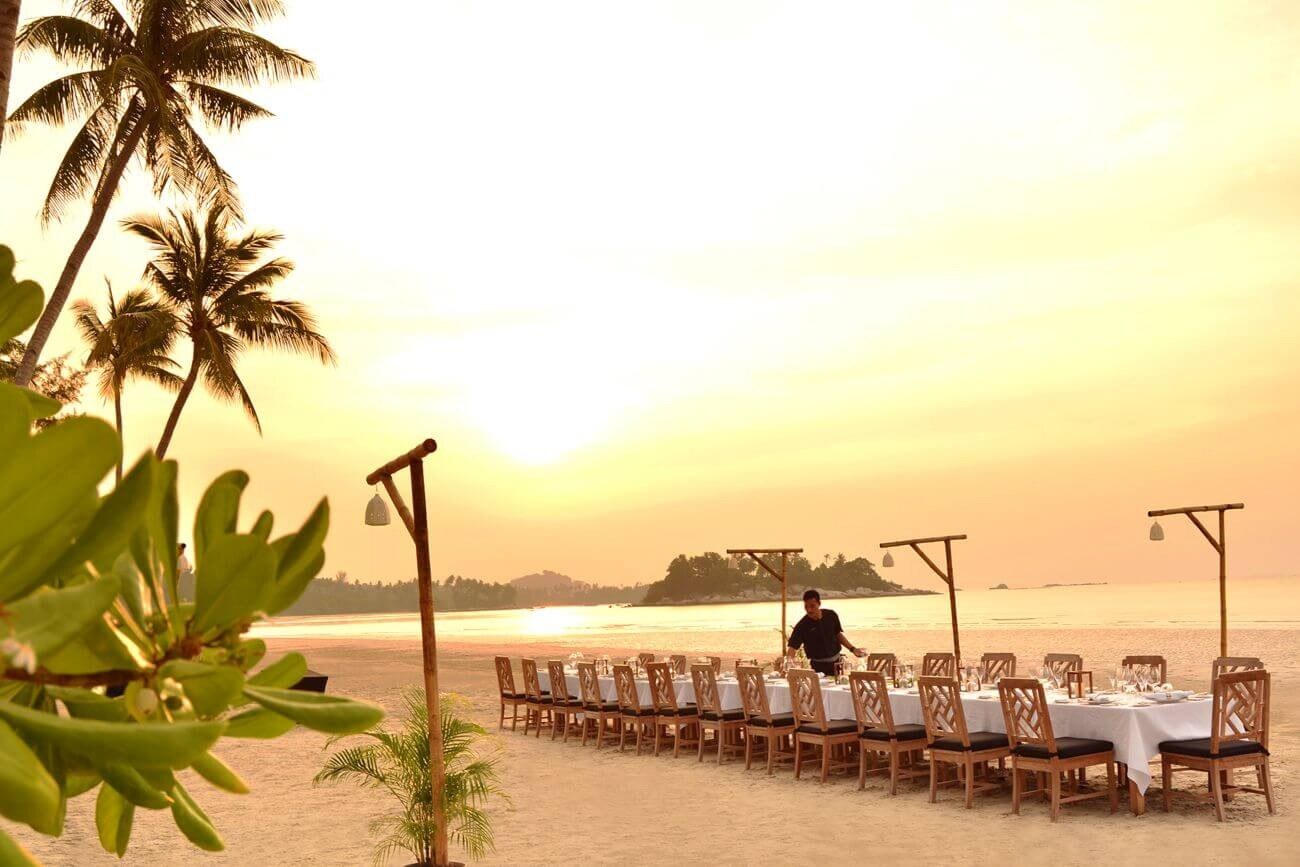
(183, 395)
(8, 34)
(117, 412)
(98, 211)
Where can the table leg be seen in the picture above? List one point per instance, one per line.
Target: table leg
(1137, 802)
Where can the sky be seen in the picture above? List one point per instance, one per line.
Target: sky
(672, 277)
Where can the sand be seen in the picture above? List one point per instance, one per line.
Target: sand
(569, 803)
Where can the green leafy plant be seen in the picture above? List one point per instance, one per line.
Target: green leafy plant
(89, 600)
(398, 762)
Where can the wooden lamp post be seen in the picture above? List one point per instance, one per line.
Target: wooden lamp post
(1220, 545)
(945, 574)
(756, 554)
(417, 524)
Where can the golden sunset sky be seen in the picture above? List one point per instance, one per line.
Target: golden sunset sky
(679, 276)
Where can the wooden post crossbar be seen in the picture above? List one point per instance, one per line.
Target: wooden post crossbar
(756, 554)
(946, 574)
(417, 524)
(1220, 545)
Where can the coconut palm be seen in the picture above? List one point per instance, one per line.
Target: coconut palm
(398, 762)
(132, 341)
(9, 10)
(147, 70)
(219, 286)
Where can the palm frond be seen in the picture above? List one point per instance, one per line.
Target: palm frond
(61, 100)
(70, 39)
(221, 108)
(228, 55)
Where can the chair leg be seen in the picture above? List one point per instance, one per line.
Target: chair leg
(514, 717)
(1056, 794)
(893, 772)
(1015, 788)
(862, 770)
(501, 723)
(1216, 791)
(1266, 784)
(1166, 781)
(826, 761)
(1110, 784)
(934, 779)
(970, 783)
(798, 755)
(749, 750)
(720, 737)
(771, 752)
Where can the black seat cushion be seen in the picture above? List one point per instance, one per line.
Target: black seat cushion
(727, 715)
(905, 732)
(545, 696)
(568, 702)
(684, 710)
(643, 711)
(978, 741)
(603, 707)
(514, 696)
(833, 727)
(783, 721)
(1200, 748)
(1066, 748)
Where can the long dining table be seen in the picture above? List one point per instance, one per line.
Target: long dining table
(1135, 726)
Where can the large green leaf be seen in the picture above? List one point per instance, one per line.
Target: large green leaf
(88, 704)
(230, 581)
(49, 619)
(284, 672)
(193, 822)
(20, 301)
(13, 855)
(114, 816)
(15, 424)
(50, 473)
(38, 405)
(96, 648)
(258, 723)
(110, 530)
(27, 565)
(210, 688)
(325, 713)
(130, 784)
(218, 512)
(28, 793)
(212, 769)
(301, 556)
(162, 745)
(262, 527)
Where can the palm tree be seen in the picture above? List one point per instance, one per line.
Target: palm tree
(219, 286)
(132, 341)
(9, 10)
(398, 762)
(148, 69)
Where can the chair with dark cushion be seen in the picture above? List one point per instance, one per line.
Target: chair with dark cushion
(631, 716)
(998, 665)
(1058, 665)
(537, 705)
(1156, 668)
(1238, 739)
(886, 664)
(880, 734)
(596, 712)
(565, 709)
(939, 665)
(775, 731)
(680, 722)
(950, 742)
(509, 696)
(728, 726)
(836, 738)
(1037, 750)
(1233, 664)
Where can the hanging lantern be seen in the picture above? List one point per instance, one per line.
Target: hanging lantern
(887, 560)
(377, 512)
(1157, 532)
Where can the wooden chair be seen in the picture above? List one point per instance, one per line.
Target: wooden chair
(683, 720)
(1238, 739)
(1233, 664)
(776, 731)
(879, 734)
(885, 663)
(509, 696)
(1057, 664)
(678, 663)
(833, 737)
(716, 663)
(951, 742)
(1037, 750)
(630, 713)
(565, 709)
(594, 708)
(1155, 664)
(998, 665)
(939, 665)
(728, 726)
(645, 658)
(537, 700)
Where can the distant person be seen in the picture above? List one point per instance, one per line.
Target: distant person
(183, 567)
(820, 635)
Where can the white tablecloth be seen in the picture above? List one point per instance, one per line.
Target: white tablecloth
(1136, 731)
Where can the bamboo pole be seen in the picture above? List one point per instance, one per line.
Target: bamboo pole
(783, 603)
(755, 554)
(946, 574)
(1220, 546)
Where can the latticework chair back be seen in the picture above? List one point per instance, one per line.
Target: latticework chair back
(705, 681)
(646, 658)
(662, 693)
(806, 696)
(885, 663)
(998, 665)
(938, 665)
(716, 663)
(1240, 708)
(532, 686)
(1231, 664)
(629, 700)
(753, 692)
(871, 700)
(589, 684)
(678, 662)
(1024, 710)
(1157, 668)
(1060, 663)
(559, 683)
(505, 676)
(941, 707)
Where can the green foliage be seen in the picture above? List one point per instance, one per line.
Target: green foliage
(713, 576)
(398, 762)
(88, 599)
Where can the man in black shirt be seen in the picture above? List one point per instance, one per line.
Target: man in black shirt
(819, 633)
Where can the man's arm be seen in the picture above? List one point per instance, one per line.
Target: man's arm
(848, 645)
